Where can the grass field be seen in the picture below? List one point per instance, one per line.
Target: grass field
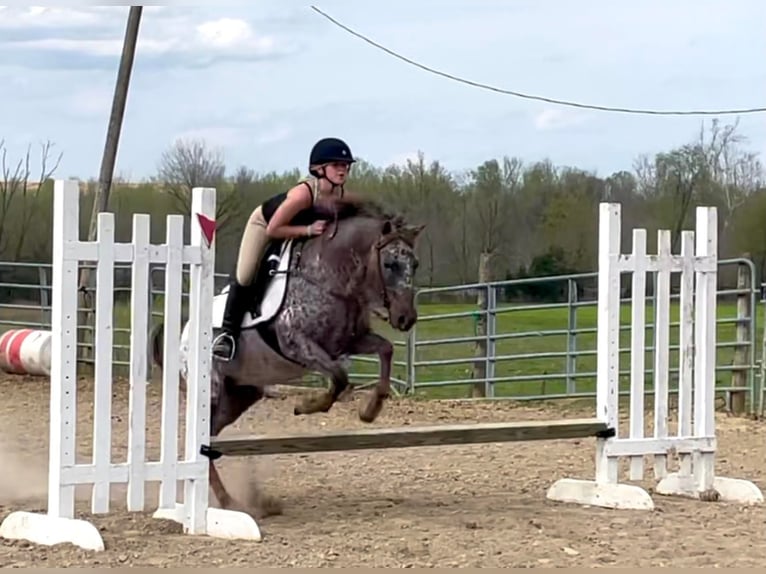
(532, 356)
(534, 352)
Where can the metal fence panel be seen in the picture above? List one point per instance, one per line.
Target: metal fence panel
(515, 344)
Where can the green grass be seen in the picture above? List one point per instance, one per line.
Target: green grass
(534, 375)
(544, 375)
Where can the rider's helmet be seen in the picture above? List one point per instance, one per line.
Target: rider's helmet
(328, 150)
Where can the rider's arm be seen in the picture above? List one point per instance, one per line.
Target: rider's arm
(298, 198)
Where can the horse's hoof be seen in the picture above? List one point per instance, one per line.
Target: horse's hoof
(366, 418)
(297, 411)
(369, 412)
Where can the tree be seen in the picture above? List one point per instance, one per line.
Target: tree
(18, 195)
(734, 172)
(191, 163)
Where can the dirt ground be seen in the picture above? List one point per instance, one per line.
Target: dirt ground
(457, 506)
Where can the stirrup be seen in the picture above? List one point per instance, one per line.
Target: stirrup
(232, 342)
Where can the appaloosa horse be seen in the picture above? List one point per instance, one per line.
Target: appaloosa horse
(364, 262)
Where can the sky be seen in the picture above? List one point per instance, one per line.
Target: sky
(262, 81)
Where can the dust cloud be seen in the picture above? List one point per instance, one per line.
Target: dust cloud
(24, 475)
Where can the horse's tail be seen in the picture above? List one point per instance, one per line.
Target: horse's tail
(155, 343)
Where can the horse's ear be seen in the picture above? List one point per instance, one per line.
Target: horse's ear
(413, 231)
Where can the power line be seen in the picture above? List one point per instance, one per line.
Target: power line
(532, 97)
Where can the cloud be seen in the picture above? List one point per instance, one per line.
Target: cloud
(91, 102)
(37, 17)
(225, 134)
(51, 38)
(214, 136)
(552, 119)
(402, 159)
(273, 134)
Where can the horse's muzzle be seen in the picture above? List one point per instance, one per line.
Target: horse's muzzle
(404, 321)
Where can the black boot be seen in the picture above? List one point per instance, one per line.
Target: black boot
(225, 344)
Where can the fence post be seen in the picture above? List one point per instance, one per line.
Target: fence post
(478, 389)
(45, 297)
(571, 361)
(737, 398)
(411, 357)
(762, 370)
(491, 345)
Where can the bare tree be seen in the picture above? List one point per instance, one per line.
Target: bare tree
(735, 173)
(671, 183)
(18, 189)
(191, 163)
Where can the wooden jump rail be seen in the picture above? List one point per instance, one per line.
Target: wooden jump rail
(407, 437)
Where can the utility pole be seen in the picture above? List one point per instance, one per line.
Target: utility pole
(101, 199)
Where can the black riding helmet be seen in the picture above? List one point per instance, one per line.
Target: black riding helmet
(328, 150)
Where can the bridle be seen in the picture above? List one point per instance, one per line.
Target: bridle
(375, 255)
(374, 260)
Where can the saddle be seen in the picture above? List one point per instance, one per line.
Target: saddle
(268, 289)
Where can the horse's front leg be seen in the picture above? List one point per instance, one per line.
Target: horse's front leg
(310, 354)
(369, 344)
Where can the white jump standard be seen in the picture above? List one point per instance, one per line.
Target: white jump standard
(695, 438)
(58, 524)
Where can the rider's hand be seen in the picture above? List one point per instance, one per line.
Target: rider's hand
(317, 228)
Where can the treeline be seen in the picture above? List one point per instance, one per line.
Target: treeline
(521, 219)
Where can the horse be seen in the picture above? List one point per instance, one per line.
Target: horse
(316, 297)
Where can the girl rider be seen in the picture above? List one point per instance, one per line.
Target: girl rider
(285, 215)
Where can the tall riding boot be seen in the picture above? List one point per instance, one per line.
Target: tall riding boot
(224, 345)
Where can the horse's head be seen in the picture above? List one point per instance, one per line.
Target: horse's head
(392, 270)
(391, 263)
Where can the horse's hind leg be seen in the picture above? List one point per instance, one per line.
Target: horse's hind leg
(225, 499)
(314, 357)
(231, 403)
(227, 407)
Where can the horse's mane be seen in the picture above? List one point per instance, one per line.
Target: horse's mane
(347, 207)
